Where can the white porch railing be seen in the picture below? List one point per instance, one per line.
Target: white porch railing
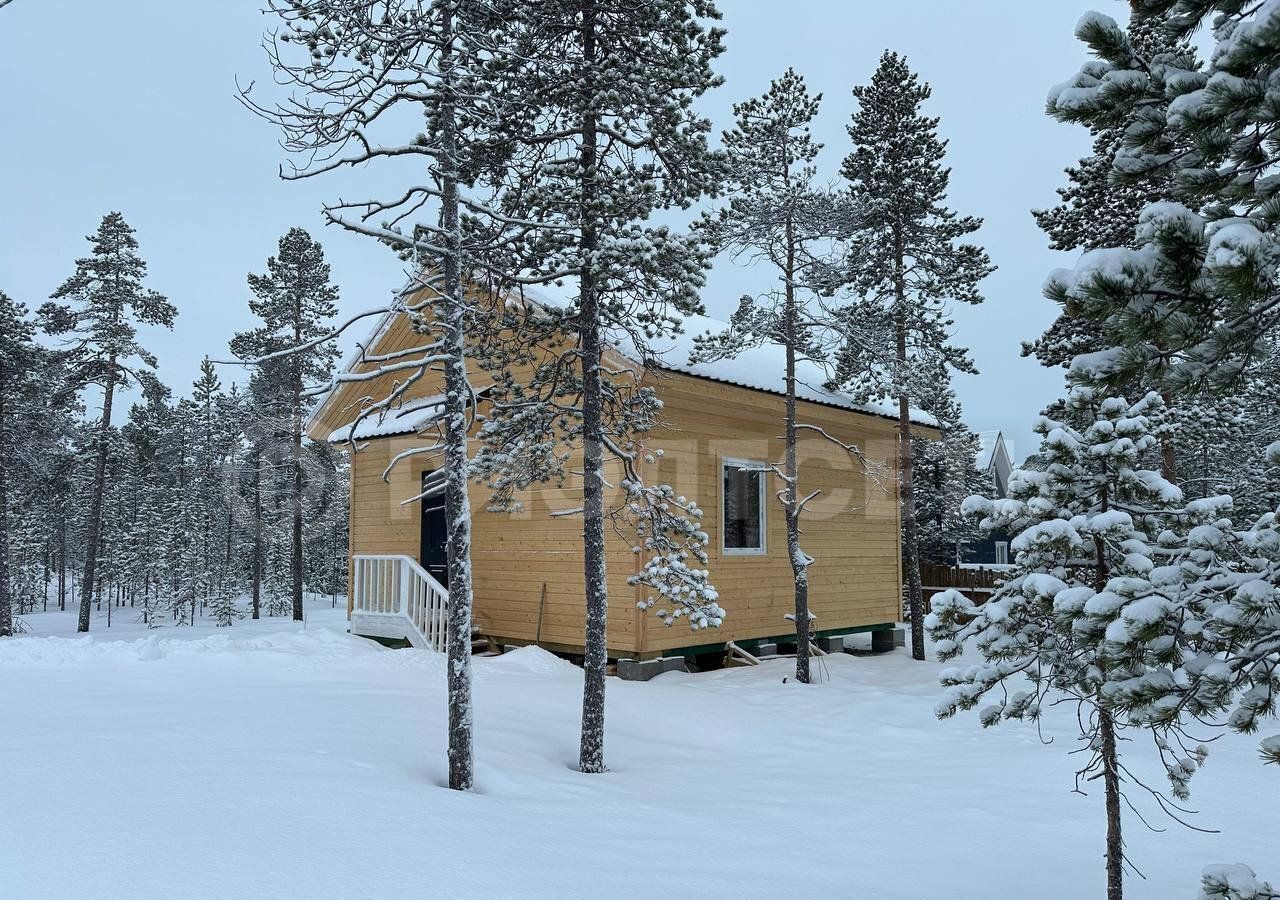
(394, 597)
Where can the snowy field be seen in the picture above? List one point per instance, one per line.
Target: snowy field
(267, 761)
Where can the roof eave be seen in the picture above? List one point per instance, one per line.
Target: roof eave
(849, 408)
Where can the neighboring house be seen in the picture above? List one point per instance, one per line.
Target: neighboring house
(721, 421)
(992, 548)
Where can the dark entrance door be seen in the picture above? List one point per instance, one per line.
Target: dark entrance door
(434, 556)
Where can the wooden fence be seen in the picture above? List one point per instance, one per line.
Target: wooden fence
(976, 584)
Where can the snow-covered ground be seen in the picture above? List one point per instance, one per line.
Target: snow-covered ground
(267, 761)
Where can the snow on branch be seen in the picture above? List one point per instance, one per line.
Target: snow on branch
(667, 525)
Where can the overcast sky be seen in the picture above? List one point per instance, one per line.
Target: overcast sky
(130, 105)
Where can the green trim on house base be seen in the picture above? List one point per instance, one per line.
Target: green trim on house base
(748, 643)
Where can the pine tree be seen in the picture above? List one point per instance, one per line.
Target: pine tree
(776, 213)
(43, 429)
(261, 425)
(1215, 307)
(208, 494)
(612, 84)
(104, 302)
(1081, 617)
(482, 99)
(52, 485)
(327, 520)
(295, 301)
(1190, 306)
(18, 356)
(1149, 634)
(153, 468)
(34, 432)
(946, 474)
(429, 55)
(1101, 210)
(231, 444)
(1098, 210)
(907, 262)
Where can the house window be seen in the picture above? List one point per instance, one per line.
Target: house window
(1002, 553)
(743, 506)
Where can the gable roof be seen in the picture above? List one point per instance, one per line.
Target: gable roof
(760, 368)
(991, 447)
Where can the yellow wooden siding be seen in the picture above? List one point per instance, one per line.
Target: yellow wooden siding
(851, 530)
(512, 554)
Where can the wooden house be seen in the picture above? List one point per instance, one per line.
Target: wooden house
(717, 421)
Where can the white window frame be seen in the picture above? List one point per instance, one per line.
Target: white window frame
(727, 462)
(1002, 550)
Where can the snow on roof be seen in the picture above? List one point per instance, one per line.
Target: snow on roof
(410, 418)
(405, 420)
(382, 323)
(761, 368)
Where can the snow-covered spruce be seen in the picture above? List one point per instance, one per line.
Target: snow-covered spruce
(1082, 618)
(1198, 284)
(907, 261)
(1234, 882)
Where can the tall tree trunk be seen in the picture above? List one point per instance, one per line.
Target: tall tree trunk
(94, 529)
(791, 470)
(1168, 455)
(1111, 783)
(225, 574)
(6, 598)
(1107, 732)
(457, 395)
(257, 534)
(906, 484)
(62, 561)
(595, 657)
(295, 563)
(333, 564)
